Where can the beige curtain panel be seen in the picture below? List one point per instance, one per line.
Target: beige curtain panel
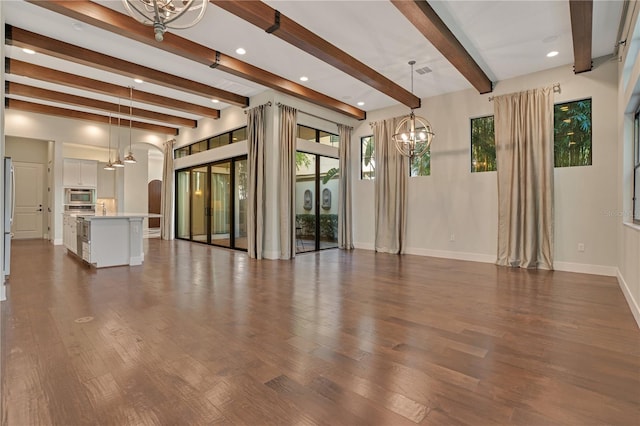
(166, 197)
(345, 231)
(287, 180)
(256, 136)
(524, 153)
(392, 174)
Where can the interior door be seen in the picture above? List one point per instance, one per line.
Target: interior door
(28, 219)
(155, 193)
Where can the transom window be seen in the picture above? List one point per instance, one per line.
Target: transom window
(316, 135)
(227, 138)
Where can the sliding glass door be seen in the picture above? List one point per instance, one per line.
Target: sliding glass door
(220, 206)
(211, 203)
(316, 202)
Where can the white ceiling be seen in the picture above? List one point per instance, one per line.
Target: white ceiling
(506, 38)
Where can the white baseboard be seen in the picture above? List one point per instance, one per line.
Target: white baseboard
(57, 242)
(446, 254)
(364, 246)
(583, 268)
(633, 304)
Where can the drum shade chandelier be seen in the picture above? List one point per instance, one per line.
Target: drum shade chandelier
(413, 134)
(163, 14)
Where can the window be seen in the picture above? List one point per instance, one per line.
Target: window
(421, 166)
(181, 152)
(572, 133)
(213, 142)
(636, 169)
(239, 135)
(315, 135)
(199, 146)
(367, 160)
(483, 145)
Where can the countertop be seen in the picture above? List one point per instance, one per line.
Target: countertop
(112, 215)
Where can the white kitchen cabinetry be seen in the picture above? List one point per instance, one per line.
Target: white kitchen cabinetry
(70, 233)
(80, 173)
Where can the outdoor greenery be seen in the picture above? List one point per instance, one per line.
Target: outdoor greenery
(302, 159)
(328, 226)
(483, 145)
(368, 163)
(421, 166)
(572, 133)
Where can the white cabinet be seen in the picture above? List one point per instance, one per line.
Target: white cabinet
(106, 183)
(80, 173)
(70, 233)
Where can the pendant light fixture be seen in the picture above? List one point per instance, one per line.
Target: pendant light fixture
(414, 134)
(118, 162)
(163, 14)
(130, 158)
(109, 165)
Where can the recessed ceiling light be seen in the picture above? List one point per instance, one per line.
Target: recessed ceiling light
(215, 101)
(552, 54)
(304, 78)
(240, 51)
(138, 80)
(29, 51)
(360, 103)
(77, 26)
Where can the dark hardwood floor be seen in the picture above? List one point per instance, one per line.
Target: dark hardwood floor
(200, 336)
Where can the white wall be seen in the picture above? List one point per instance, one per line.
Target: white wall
(454, 201)
(628, 260)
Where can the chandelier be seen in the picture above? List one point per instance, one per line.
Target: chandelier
(163, 14)
(413, 134)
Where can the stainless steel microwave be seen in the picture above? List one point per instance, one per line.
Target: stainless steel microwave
(79, 196)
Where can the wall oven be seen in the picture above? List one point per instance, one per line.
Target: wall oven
(79, 196)
(80, 200)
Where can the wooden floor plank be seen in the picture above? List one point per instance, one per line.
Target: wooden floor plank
(200, 335)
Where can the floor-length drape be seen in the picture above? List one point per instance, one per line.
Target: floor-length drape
(166, 197)
(345, 231)
(287, 180)
(392, 173)
(256, 136)
(524, 153)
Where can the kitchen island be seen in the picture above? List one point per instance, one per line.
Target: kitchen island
(107, 240)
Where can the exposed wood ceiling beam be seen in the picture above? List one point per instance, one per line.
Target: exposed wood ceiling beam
(26, 39)
(263, 16)
(13, 66)
(12, 88)
(102, 17)
(69, 113)
(581, 29)
(427, 21)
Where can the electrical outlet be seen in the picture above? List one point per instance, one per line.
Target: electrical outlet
(452, 237)
(580, 247)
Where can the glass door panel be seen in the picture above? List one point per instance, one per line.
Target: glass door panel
(328, 217)
(306, 200)
(220, 204)
(199, 189)
(182, 205)
(240, 201)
